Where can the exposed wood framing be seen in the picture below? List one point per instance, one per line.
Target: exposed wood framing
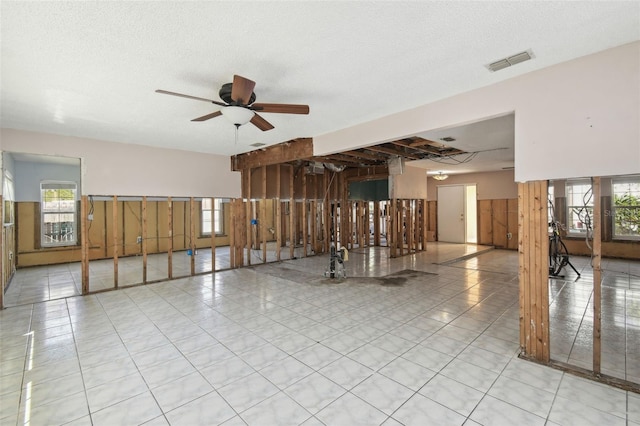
(249, 213)
(114, 216)
(276, 154)
(170, 239)
(192, 234)
(84, 243)
(597, 275)
(2, 249)
(263, 214)
(376, 224)
(144, 240)
(213, 236)
(305, 218)
(533, 270)
(292, 215)
(278, 213)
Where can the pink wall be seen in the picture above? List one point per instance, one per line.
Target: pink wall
(490, 185)
(111, 168)
(411, 184)
(578, 118)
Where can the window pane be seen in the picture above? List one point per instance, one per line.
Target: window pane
(206, 221)
(626, 205)
(58, 228)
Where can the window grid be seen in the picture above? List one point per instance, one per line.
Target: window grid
(58, 214)
(626, 208)
(579, 206)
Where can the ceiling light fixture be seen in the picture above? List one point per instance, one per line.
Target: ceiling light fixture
(237, 115)
(440, 176)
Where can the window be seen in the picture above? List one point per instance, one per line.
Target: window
(212, 215)
(58, 213)
(626, 207)
(579, 206)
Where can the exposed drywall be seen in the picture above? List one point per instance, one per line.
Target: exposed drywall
(127, 169)
(564, 112)
(411, 184)
(490, 186)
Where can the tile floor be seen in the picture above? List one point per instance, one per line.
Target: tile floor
(279, 344)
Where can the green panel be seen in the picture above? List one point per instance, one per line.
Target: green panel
(371, 190)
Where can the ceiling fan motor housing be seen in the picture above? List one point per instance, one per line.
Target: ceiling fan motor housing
(225, 95)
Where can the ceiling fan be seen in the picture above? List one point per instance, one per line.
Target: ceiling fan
(239, 106)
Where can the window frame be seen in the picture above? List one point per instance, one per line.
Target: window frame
(217, 217)
(570, 207)
(624, 181)
(51, 185)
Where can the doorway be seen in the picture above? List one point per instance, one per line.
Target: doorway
(457, 217)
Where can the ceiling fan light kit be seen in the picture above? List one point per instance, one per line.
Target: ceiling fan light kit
(237, 115)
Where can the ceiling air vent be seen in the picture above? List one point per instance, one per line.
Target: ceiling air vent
(257, 144)
(511, 60)
(448, 139)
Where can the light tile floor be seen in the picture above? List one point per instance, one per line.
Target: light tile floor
(280, 344)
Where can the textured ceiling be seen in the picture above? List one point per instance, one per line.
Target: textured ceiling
(90, 69)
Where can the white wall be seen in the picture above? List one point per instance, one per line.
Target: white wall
(111, 168)
(578, 118)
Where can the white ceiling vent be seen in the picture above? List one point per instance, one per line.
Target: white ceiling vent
(511, 60)
(257, 144)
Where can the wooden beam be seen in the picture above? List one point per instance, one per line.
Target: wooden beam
(276, 154)
(144, 240)
(278, 212)
(364, 155)
(84, 244)
(376, 223)
(170, 236)
(597, 275)
(114, 215)
(213, 235)
(2, 251)
(305, 217)
(392, 151)
(263, 214)
(533, 270)
(192, 234)
(292, 214)
(249, 212)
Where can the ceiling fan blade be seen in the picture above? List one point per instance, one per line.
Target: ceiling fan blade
(282, 108)
(261, 123)
(241, 89)
(208, 116)
(166, 92)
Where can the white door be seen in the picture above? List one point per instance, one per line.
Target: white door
(451, 223)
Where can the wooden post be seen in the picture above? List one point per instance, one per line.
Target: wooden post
(213, 235)
(192, 234)
(326, 210)
(278, 219)
(376, 223)
(170, 237)
(144, 240)
(305, 217)
(84, 244)
(263, 214)
(2, 250)
(292, 215)
(114, 215)
(409, 225)
(597, 274)
(249, 213)
(232, 234)
(425, 223)
(392, 233)
(533, 271)
(401, 226)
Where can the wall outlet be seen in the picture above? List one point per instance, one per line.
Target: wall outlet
(139, 239)
(90, 217)
(509, 235)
